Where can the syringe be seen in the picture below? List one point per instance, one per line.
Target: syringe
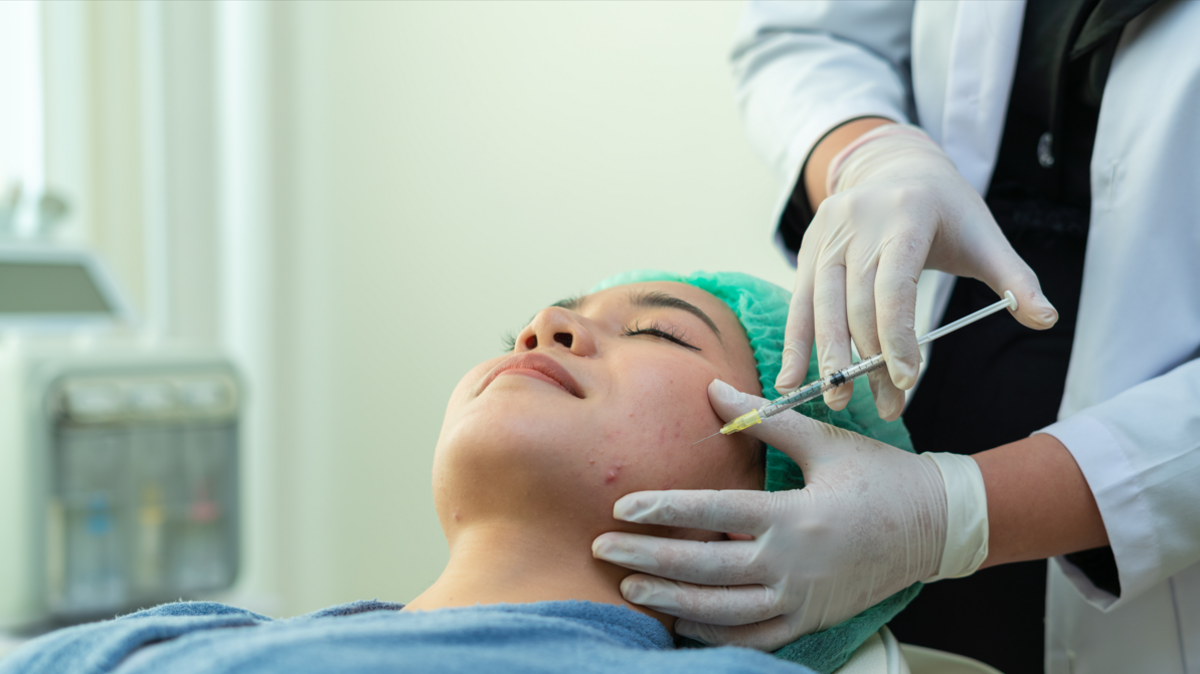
(816, 388)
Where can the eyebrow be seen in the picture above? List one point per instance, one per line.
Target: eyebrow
(571, 303)
(651, 299)
(655, 299)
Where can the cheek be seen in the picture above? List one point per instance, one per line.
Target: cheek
(663, 411)
(664, 401)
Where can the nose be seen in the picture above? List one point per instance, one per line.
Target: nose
(557, 327)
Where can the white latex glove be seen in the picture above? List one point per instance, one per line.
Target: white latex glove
(871, 520)
(897, 205)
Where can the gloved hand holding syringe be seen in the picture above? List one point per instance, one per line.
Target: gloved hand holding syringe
(862, 367)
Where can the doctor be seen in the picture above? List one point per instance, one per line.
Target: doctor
(1056, 147)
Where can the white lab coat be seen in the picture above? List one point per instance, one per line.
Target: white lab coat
(1131, 410)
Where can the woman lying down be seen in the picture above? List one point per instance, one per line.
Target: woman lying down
(600, 396)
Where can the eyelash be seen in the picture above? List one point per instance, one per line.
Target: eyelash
(509, 340)
(656, 330)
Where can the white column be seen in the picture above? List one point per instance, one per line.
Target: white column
(156, 250)
(246, 270)
(21, 125)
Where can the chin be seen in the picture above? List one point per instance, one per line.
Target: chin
(515, 421)
(506, 454)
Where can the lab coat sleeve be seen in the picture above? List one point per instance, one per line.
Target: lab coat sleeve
(1140, 454)
(802, 68)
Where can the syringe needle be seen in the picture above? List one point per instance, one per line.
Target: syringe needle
(711, 436)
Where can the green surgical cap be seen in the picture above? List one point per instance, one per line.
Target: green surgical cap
(762, 309)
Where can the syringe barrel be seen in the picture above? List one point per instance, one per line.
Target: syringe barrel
(807, 393)
(859, 369)
(797, 397)
(815, 389)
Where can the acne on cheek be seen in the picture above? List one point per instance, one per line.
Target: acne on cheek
(670, 439)
(660, 428)
(613, 472)
(612, 477)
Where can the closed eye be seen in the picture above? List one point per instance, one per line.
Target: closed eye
(656, 330)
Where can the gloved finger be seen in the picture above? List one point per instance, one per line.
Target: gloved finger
(900, 265)
(830, 329)
(801, 438)
(798, 333)
(864, 330)
(705, 563)
(736, 510)
(768, 635)
(736, 605)
(889, 400)
(1005, 270)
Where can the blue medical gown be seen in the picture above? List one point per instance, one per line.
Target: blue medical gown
(371, 636)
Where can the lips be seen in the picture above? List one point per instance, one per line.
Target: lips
(539, 363)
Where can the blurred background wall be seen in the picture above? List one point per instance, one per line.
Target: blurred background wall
(358, 199)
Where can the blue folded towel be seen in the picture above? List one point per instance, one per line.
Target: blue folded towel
(371, 636)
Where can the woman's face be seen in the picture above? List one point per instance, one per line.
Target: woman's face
(600, 397)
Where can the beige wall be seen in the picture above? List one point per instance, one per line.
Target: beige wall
(434, 174)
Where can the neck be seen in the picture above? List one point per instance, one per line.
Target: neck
(499, 562)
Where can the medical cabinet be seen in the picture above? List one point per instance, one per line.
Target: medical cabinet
(118, 458)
